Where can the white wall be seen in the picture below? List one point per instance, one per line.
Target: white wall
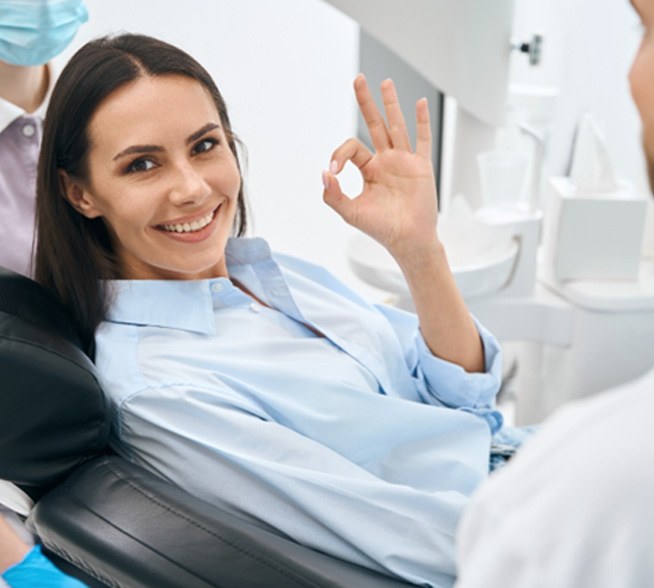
(285, 69)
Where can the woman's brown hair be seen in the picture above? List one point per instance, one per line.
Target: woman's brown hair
(74, 254)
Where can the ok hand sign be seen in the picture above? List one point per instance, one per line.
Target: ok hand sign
(397, 206)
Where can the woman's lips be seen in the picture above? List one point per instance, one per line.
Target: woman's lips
(193, 231)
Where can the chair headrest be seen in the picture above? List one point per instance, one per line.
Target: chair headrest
(53, 412)
(25, 299)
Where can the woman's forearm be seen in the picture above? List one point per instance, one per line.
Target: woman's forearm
(445, 322)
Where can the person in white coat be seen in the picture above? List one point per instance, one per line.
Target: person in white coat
(574, 508)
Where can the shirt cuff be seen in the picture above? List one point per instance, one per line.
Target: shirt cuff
(450, 385)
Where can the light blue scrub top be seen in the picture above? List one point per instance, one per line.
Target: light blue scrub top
(358, 443)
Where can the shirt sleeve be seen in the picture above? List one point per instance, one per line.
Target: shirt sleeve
(236, 459)
(444, 383)
(437, 381)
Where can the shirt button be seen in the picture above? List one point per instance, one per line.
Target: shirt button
(255, 308)
(29, 130)
(217, 287)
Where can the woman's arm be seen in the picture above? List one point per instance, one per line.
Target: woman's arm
(398, 208)
(12, 548)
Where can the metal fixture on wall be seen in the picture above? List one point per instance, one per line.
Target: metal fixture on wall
(533, 48)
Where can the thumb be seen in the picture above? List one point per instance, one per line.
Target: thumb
(335, 198)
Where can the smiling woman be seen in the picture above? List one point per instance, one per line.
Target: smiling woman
(106, 152)
(250, 378)
(173, 186)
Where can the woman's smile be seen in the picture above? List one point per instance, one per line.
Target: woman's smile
(191, 230)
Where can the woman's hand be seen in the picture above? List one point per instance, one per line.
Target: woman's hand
(397, 206)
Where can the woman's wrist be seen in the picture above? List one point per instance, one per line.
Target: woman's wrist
(418, 257)
(12, 549)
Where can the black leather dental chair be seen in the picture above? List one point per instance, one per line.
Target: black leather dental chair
(103, 519)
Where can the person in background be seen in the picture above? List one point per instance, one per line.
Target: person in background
(574, 508)
(32, 32)
(22, 566)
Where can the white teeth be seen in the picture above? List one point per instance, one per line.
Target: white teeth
(189, 227)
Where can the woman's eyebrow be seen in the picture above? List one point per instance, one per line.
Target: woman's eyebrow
(203, 131)
(138, 149)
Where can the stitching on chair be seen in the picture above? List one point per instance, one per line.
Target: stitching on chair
(286, 573)
(65, 554)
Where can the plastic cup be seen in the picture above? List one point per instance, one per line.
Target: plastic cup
(503, 175)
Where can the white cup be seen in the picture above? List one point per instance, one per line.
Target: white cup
(503, 175)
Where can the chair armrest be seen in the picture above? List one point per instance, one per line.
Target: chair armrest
(126, 527)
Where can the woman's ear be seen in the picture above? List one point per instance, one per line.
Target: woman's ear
(77, 195)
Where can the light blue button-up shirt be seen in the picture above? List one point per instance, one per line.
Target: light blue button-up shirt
(318, 414)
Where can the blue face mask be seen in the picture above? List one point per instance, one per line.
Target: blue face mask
(32, 32)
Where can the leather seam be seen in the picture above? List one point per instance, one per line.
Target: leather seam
(286, 573)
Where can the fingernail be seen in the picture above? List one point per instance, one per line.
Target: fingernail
(325, 179)
(333, 166)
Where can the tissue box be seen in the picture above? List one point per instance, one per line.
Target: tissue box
(597, 236)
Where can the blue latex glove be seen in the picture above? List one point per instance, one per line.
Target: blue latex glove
(37, 570)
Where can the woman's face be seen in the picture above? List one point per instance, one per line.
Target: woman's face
(163, 178)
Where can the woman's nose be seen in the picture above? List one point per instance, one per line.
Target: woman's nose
(189, 185)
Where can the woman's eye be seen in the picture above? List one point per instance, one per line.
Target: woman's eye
(205, 145)
(140, 165)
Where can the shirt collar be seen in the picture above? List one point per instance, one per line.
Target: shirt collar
(177, 304)
(246, 251)
(9, 112)
(180, 304)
